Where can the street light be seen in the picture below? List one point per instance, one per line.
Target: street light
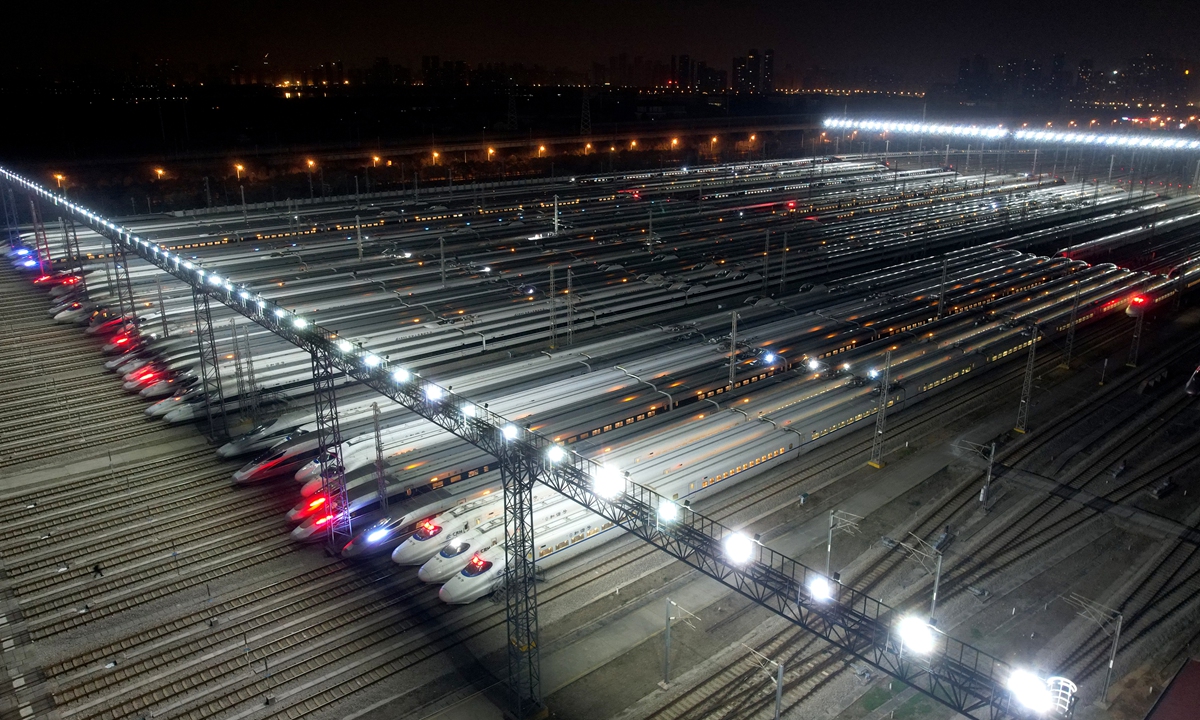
(738, 547)
(916, 635)
(608, 482)
(820, 588)
(1030, 691)
(674, 142)
(491, 152)
(753, 138)
(541, 149)
(159, 172)
(60, 177)
(632, 144)
(436, 155)
(586, 148)
(375, 160)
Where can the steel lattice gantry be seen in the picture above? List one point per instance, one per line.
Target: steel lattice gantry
(957, 675)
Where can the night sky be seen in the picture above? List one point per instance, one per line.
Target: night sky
(923, 40)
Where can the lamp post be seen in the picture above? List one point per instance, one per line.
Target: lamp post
(311, 165)
(238, 169)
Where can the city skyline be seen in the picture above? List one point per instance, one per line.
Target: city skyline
(921, 44)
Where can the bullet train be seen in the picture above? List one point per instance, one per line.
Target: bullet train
(748, 451)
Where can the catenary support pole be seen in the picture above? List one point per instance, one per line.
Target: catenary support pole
(937, 581)
(942, 286)
(1022, 425)
(1135, 346)
(1112, 657)
(666, 681)
(881, 414)
(783, 265)
(380, 477)
(1066, 363)
(733, 350)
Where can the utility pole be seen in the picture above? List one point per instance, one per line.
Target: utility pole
(238, 371)
(251, 384)
(570, 307)
(942, 286)
(937, 579)
(556, 215)
(245, 217)
(783, 265)
(650, 232)
(766, 258)
(666, 681)
(1109, 622)
(1027, 389)
(1138, 322)
(838, 520)
(665, 684)
(380, 478)
(986, 492)
(553, 318)
(1066, 363)
(442, 254)
(358, 229)
(733, 350)
(881, 414)
(162, 308)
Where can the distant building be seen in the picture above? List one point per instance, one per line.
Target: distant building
(753, 71)
(767, 80)
(738, 76)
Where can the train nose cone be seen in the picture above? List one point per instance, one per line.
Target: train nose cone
(311, 471)
(246, 474)
(229, 450)
(305, 532)
(181, 414)
(409, 552)
(447, 595)
(436, 572)
(158, 389)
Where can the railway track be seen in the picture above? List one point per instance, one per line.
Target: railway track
(1017, 542)
(311, 640)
